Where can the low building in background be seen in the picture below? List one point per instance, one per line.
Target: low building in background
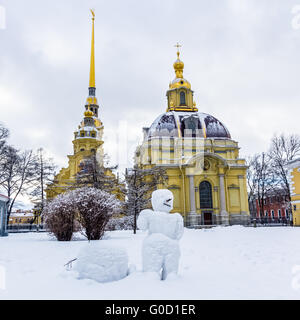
(276, 208)
(22, 217)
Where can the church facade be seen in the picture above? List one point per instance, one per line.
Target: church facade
(88, 138)
(205, 173)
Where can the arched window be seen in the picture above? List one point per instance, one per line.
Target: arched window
(182, 98)
(206, 201)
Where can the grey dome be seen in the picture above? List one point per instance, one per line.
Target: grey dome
(174, 124)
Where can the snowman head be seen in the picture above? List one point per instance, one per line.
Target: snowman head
(162, 200)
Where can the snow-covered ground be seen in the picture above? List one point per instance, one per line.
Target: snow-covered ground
(220, 263)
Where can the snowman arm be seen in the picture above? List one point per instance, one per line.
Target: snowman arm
(143, 219)
(179, 226)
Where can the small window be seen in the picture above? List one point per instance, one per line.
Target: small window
(273, 214)
(93, 135)
(82, 149)
(286, 213)
(81, 134)
(93, 150)
(182, 98)
(279, 213)
(295, 207)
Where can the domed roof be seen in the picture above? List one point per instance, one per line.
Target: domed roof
(179, 82)
(179, 124)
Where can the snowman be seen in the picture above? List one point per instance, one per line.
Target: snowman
(161, 251)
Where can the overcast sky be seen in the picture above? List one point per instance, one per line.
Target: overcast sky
(242, 58)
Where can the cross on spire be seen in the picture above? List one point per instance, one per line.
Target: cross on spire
(178, 46)
(93, 13)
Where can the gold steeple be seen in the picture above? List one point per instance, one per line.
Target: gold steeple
(91, 101)
(92, 67)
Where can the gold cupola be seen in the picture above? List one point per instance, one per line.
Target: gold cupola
(180, 95)
(88, 113)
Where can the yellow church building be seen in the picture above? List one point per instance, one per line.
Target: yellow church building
(88, 138)
(205, 173)
(294, 180)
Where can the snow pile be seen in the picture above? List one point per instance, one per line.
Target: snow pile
(102, 262)
(161, 249)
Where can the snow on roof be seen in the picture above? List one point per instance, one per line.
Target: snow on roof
(22, 214)
(3, 198)
(171, 123)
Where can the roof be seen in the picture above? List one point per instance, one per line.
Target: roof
(3, 198)
(294, 163)
(179, 124)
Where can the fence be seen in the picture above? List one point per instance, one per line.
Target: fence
(270, 222)
(18, 228)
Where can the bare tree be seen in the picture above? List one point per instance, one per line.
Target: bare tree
(140, 183)
(4, 133)
(283, 149)
(251, 182)
(261, 180)
(94, 175)
(18, 171)
(44, 174)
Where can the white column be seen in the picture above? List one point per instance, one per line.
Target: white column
(223, 212)
(192, 216)
(2, 219)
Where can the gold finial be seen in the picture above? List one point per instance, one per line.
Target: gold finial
(178, 46)
(178, 65)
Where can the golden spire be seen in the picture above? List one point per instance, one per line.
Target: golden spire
(92, 68)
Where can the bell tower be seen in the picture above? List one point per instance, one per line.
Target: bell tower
(88, 138)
